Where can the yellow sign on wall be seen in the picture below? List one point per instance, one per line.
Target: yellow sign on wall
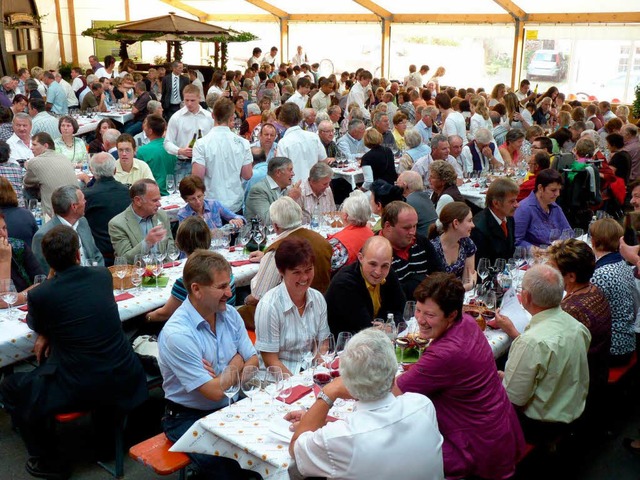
(532, 34)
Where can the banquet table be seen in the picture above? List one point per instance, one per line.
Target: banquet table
(353, 175)
(89, 124)
(171, 204)
(476, 195)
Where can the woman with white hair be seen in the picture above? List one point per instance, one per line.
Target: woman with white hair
(346, 243)
(350, 448)
(415, 149)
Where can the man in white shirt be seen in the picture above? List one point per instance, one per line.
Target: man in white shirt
(439, 151)
(300, 57)
(72, 100)
(108, 69)
(414, 79)
(481, 153)
(301, 97)
(222, 159)
(359, 93)
(304, 149)
(271, 57)
(524, 93)
(316, 192)
(190, 120)
(350, 448)
(255, 57)
(20, 141)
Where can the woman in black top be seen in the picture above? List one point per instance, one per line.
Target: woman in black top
(377, 163)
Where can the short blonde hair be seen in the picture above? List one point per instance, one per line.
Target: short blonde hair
(605, 234)
(372, 137)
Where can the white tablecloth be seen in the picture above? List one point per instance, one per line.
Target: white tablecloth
(171, 204)
(475, 195)
(351, 175)
(86, 124)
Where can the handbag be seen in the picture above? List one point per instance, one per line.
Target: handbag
(146, 347)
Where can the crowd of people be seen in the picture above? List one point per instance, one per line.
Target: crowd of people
(261, 144)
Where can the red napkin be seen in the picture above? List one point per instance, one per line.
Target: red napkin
(23, 308)
(335, 364)
(170, 207)
(349, 170)
(524, 268)
(171, 264)
(239, 263)
(297, 393)
(123, 296)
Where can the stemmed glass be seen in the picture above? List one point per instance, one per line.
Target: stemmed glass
(120, 265)
(138, 271)
(171, 184)
(402, 342)
(578, 232)
(483, 269)
(273, 382)
(173, 253)
(158, 267)
(500, 264)
(520, 255)
(309, 355)
(230, 381)
(161, 253)
(490, 300)
(9, 294)
(512, 267)
(286, 389)
(409, 311)
(327, 349)
(554, 234)
(38, 279)
(341, 342)
(250, 384)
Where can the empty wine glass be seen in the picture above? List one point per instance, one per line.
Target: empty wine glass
(483, 269)
(171, 184)
(173, 252)
(272, 382)
(250, 384)
(327, 350)
(490, 300)
(120, 265)
(161, 252)
(554, 234)
(566, 234)
(309, 354)
(402, 342)
(136, 280)
(158, 268)
(578, 233)
(9, 294)
(230, 382)
(520, 255)
(286, 389)
(38, 279)
(409, 311)
(341, 342)
(500, 264)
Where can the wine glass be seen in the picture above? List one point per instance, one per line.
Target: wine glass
(402, 342)
(554, 234)
(250, 384)
(273, 382)
(173, 253)
(490, 300)
(566, 234)
(483, 269)
(341, 342)
(409, 311)
(286, 389)
(578, 232)
(327, 348)
(520, 255)
(120, 264)
(9, 294)
(230, 382)
(161, 252)
(500, 264)
(309, 354)
(158, 268)
(171, 184)
(136, 280)
(245, 235)
(322, 378)
(38, 279)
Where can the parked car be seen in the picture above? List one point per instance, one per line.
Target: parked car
(550, 64)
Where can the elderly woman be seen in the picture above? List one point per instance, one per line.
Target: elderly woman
(539, 213)
(213, 212)
(585, 302)
(68, 144)
(482, 434)
(10, 171)
(510, 149)
(378, 162)
(21, 223)
(350, 448)
(615, 279)
(450, 236)
(346, 243)
(192, 234)
(399, 129)
(97, 145)
(291, 313)
(382, 194)
(443, 178)
(17, 262)
(415, 149)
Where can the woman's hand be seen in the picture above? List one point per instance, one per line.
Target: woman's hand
(237, 222)
(255, 257)
(5, 250)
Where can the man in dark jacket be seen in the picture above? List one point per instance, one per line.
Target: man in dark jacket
(365, 290)
(86, 361)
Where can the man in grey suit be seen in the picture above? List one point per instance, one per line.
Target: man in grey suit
(276, 184)
(68, 206)
(412, 190)
(142, 225)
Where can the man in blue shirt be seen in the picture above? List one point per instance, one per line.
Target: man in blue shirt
(56, 97)
(201, 338)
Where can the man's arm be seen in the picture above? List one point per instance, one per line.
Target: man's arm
(198, 170)
(257, 203)
(520, 372)
(246, 172)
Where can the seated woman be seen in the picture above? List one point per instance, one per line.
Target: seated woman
(346, 243)
(615, 278)
(213, 212)
(12, 172)
(192, 234)
(21, 223)
(382, 194)
(443, 179)
(482, 434)
(450, 237)
(96, 145)
(291, 313)
(415, 149)
(18, 263)
(539, 213)
(585, 302)
(68, 144)
(510, 149)
(399, 129)
(378, 162)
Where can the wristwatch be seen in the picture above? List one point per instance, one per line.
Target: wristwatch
(324, 397)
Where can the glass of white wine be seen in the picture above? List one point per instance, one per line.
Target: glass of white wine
(120, 265)
(9, 294)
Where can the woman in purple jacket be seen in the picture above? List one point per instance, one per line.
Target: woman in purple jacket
(482, 435)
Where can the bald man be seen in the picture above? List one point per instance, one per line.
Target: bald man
(365, 289)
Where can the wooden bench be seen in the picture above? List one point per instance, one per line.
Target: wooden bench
(154, 453)
(616, 373)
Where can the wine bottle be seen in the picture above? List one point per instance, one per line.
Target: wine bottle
(193, 140)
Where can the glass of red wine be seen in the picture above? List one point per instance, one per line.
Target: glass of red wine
(322, 378)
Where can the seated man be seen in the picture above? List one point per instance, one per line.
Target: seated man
(350, 448)
(316, 192)
(47, 171)
(266, 191)
(494, 227)
(86, 361)
(128, 168)
(481, 153)
(286, 218)
(413, 256)
(413, 192)
(365, 289)
(68, 207)
(106, 198)
(351, 143)
(143, 225)
(439, 151)
(547, 373)
(202, 337)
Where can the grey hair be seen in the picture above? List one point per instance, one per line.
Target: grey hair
(286, 213)
(545, 284)
(253, 109)
(111, 136)
(211, 99)
(6, 79)
(103, 165)
(323, 117)
(412, 138)
(437, 139)
(152, 106)
(355, 124)
(22, 116)
(319, 171)
(377, 117)
(277, 163)
(356, 112)
(483, 135)
(429, 110)
(91, 78)
(413, 180)
(368, 365)
(63, 197)
(307, 111)
(358, 208)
